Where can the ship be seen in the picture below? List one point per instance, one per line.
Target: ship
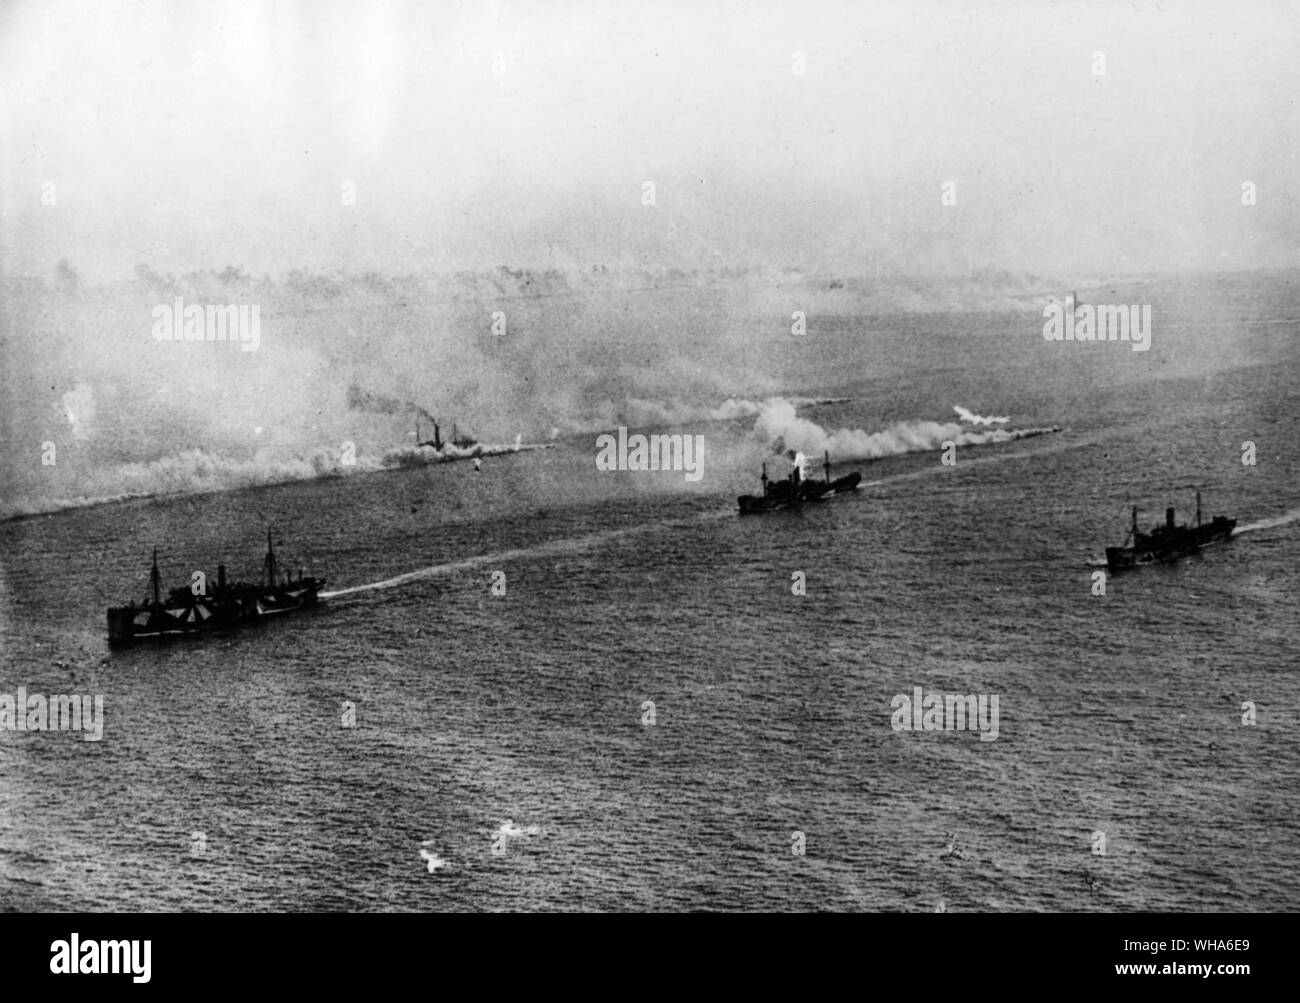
(1168, 542)
(795, 491)
(223, 606)
(457, 440)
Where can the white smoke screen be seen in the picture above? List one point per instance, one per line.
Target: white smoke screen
(635, 201)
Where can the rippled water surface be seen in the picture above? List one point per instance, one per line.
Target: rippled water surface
(515, 723)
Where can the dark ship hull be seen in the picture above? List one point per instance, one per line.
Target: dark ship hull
(1123, 558)
(1169, 542)
(849, 482)
(752, 504)
(794, 492)
(224, 607)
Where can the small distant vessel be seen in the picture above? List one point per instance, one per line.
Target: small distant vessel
(462, 441)
(436, 442)
(227, 605)
(457, 440)
(1168, 542)
(794, 491)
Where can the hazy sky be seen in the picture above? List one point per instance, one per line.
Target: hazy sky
(196, 135)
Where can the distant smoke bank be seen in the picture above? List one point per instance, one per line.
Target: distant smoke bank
(641, 412)
(193, 471)
(197, 471)
(732, 408)
(373, 403)
(975, 419)
(783, 429)
(406, 457)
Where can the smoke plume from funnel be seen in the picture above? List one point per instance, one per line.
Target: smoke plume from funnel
(366, 401)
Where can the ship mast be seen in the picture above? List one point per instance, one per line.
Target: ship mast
(270, 561)
(1198, 510)
(155, 579)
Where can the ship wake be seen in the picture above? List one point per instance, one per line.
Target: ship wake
(1281, 520)
(552, 548)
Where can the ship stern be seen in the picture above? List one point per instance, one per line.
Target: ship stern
(121, 625)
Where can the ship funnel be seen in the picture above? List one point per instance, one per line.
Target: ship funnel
(1198, 510)
(155, 579)
(826, 466)
(221, 576)
(1169, 518)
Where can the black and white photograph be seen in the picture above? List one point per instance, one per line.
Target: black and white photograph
(711, 457)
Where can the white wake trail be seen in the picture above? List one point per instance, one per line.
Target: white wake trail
(1280, 520)
(567, 545)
